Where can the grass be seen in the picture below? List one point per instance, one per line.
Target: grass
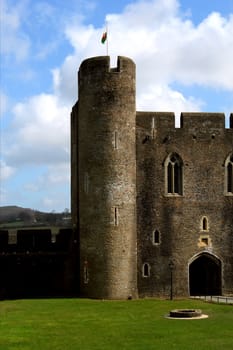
(73, 324)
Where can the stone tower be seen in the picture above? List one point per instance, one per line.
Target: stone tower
(104, 178)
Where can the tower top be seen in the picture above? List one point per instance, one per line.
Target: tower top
(102, 64)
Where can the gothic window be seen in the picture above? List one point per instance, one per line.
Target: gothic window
(156, 237)
(146, 270)
(174, 174)
(229, 174)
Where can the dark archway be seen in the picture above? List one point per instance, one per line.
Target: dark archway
(205, 275)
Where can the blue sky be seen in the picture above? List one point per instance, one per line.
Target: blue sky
(183, 51)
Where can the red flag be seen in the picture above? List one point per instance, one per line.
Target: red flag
(104, 37)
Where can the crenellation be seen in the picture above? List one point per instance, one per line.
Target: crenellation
(231, 120)
(91, 66)
(97, 66)
(203, 122)
(159, 120)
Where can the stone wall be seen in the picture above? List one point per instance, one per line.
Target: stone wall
(106, 178)
(37, 262)
(203, 144)
(132, 221)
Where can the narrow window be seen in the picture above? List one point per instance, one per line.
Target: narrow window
(86, 183)
(174, 174)
(156, 237)
(153, 131)
(229, 177)
(116, 218)
(204, 224)
(153, 123)
(169, 178)
(85, 273)
(146, 270)
(177, 178)
(116, 140)
(229, 174)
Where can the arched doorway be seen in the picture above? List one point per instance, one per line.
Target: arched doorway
(205, 275)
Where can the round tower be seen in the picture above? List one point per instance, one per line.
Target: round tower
(106, 195)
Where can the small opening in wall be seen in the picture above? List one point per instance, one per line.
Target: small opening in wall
(146, 270)
(156, 237)
(229, 174)
(115, 139)
(86, 183)
(205, 241)
(204, 224)
(85, 273)
(116, 216)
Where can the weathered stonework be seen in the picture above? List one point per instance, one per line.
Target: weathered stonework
(106, 178)
(121, 194)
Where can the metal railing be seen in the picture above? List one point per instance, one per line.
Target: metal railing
(215, 298)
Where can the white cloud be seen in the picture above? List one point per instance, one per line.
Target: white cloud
(206, 55)
(6, 171)
(165, 46)
(164, 99)
(13, 40)
(65, 80)
(80, 40)
(40, 132)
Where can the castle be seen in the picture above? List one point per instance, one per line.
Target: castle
(152, 204)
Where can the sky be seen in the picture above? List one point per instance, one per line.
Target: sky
(183, 52)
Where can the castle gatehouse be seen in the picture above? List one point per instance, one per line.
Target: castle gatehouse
(152, 204)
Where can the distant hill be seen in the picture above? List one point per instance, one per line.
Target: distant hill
(26, 216)
(13, 213)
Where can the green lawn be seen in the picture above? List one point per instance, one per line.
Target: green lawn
(73, 324)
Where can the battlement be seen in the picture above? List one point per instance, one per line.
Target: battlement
(231, 120)
(34, 240)
(194, 121)
(101, 65)
(156, 120)
(202, 120)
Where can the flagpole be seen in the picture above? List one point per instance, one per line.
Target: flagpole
(107, 38)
